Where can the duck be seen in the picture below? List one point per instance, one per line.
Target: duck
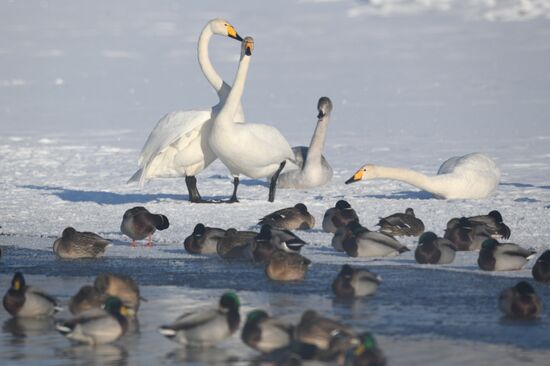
(366, 243)
(28, 302)
(76, 245)
(541, 269)
(206, 327)
(203, 240)
(260, 248)
(492, 222)
(339, 215)
(286, 266)
(466, 235)
(88, 297)
(434, 250)
(283, 239)
(471, 176)
(318, 330)
(255, 150)
(290, 218)
(178, 145)
(520, 302)
(495, 256)
(97, 326)
(234, 244)
(264, 333)
(402, 224)
(367, 353)
(355, 282)
(339, 237)
(312, 169)
(138, 223)
(120, 286)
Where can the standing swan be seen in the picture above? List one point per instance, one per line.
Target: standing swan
(470, 176)
(313, 169)
(255, 150)
(178, 145)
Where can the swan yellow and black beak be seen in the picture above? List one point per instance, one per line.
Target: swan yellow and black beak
(249, 45)
(356, 177)
(232, 33)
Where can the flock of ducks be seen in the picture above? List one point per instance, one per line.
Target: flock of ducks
(107, 309)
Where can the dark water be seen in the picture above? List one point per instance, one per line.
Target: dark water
(411, 302)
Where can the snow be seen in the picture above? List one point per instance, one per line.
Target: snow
(412, 82)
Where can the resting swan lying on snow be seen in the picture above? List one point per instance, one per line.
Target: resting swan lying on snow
(470, 176)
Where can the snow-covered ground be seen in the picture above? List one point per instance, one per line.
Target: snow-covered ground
(412, 82)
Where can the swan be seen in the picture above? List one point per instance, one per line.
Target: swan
(178, 145)
(471, 176)
(255, 150)
(313, 169)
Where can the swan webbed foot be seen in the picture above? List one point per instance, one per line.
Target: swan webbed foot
(273, 185)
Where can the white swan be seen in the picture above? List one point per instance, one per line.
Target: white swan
(313, 169)
(178, 145)
(461, 177)
(255, 150)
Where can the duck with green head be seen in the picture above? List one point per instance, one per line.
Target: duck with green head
(206, 327)
(264, 333)
(355, 282)
(366, 353)
(434, 250)
(98, 326)
(495, 256)
(23, 301)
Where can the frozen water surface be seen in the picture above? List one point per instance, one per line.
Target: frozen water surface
(412, 82)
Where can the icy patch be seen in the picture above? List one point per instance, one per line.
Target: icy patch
(47, 141)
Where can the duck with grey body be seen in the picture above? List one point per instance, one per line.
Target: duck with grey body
(434, 250)
(402, 224)
(28, 302)
(77, 245)
(355, 282)
(339, 215)
(265, 333)
(366, 243)
(203, 240)
(495, 256)
(138, 223)
(290, 218)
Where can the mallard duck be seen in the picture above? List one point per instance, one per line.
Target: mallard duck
(520, 302)
(352, 282)
(206, 327)
(541, 269)
(465, 234)
(75, 244)
(366, 353)
(401, 224)
(434, 250)
(492, 221)
(120, 286)
(366, 243)
(28, 302)
(260, 248)
(234, 244)
(317, 330)
(290, 218)
(283, 239)
(88, 297)
(264, 333)
(495, 256)
(286, 266)
(339, 215)
(138, 223)
(339, 237)
(97, 326)
(203, 240)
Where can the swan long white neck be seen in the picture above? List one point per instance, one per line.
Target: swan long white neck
(432, 184)
(204, 61)
(233, 101)
(317, 144)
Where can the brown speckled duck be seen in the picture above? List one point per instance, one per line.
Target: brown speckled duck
(290, 218)
(75, 244)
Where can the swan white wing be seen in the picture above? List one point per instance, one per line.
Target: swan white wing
(170, 128)
(267, 143)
